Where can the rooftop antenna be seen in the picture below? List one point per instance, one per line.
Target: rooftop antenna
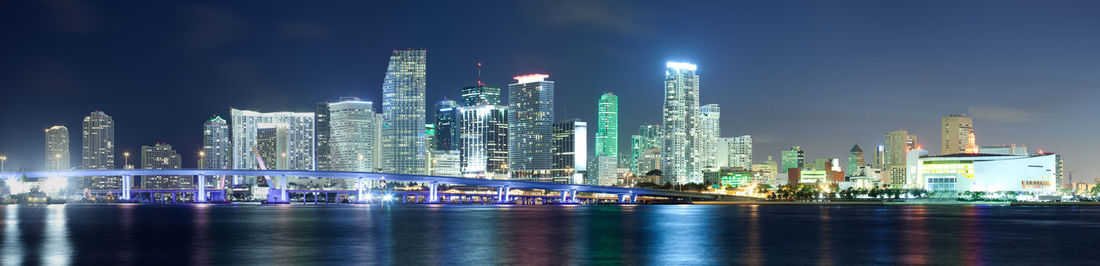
(479, 75)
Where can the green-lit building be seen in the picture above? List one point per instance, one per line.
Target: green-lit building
(607, 138)
(793, 158)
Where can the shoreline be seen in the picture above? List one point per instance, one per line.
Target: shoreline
(898, 203)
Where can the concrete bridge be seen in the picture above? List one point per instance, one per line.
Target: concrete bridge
(279, 192)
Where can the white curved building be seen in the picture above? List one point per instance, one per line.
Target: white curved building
(989, 173)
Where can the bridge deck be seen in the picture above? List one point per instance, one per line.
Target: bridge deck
(363, 175)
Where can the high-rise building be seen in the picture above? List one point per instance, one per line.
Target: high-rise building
(645, 149)
(271, 143)
(483, 141)
(897, 144)
(57, 148)
(481, 94)
(162, 156)
(530, 126)
(404, 146)
(955, 129)
(352, 135)
(607, 139)
(446, 125)
(379, 122)
(291, 134)
(98, 143)
(321, 138)
(855, 160)
(722, 153)
(793, 158)
(710, 130)
(607, 125)
(570, 152)
(216, 148)
(740, 152)
(679, 161)
(880, 157)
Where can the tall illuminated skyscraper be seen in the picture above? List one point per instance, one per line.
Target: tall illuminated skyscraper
(710, 130)
(955, 130)
(215, 144)
(298, 144)
(321, 137)
(530, 126)
(607, 139)
(352, 135)
(446, 125)
(404, 146)
(740, 152)
(570, 152)
(481, 94)
(99, 149)
(679, 160)
(483, 141)
(57, 148)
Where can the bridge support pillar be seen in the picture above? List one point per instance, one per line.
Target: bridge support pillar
(564, 196)
(433, 192)
(502, 194)
(200, 194)
(126, 180)
(277, 194)
(361, 197)
(633, 198)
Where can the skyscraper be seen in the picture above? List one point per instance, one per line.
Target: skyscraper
(740, 152)
(530, 126)
(352, 135)
(897, 144)
(607, 125)
(793, 158)
(855, 160)
(955, 131)
(570, 151)
(162, 156)
(709, 132)
(645, 149)
(215, 144)
(296, 140)
(98, 143)
(321, 136)
(607, 139)
(57, 148)
(404, 146)
(679, 161)
(483, 141)
(446, 125)
(481, 94)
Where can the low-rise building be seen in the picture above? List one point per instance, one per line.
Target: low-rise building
(989, 173)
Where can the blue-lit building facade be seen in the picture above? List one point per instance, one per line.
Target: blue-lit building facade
(989, 173)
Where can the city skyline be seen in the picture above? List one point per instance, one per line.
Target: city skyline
(999, 120)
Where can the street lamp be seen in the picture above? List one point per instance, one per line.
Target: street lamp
(127, 155)
(3, 159)
(202, 154)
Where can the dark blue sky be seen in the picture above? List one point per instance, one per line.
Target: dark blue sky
(821, 74)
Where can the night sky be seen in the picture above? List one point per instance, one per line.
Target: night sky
(821, 74)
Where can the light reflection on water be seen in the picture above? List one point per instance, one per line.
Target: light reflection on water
(557, 235)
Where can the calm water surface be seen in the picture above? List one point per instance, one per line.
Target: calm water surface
(548, 235)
